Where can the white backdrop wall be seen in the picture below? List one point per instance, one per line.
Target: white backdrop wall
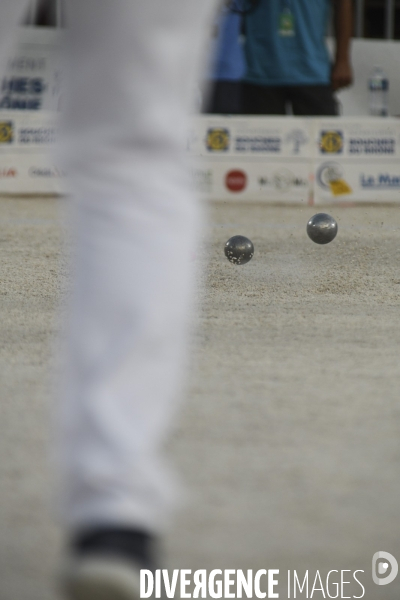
(365, 55)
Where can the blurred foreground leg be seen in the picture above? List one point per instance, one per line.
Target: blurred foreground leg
(130, 69)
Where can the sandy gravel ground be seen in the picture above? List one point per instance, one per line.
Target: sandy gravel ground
(289, 440)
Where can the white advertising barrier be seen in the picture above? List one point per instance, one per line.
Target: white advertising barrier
(241, 137)
(267, 181)
(253, 158)
(357, 159)
(26, 153)
(359, 181)
(30, 96)
(361, 138)
(32, 77)
(271, 158)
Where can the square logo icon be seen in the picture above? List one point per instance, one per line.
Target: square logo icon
(6, 132)
(218, 139)
(331, 142)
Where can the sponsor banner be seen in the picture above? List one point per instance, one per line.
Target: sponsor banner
(361, 181)
(27, 130)
(32, 77)
(268, 181)
(26, 144)
(29, 173)
(213, 136)
(251, 158)
(362, 138)
(293, 159)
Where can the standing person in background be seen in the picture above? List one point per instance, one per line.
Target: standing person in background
(287, 58)
(131, 66)
(228, 66)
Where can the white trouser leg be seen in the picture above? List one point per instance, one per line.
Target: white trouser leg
(131, 66)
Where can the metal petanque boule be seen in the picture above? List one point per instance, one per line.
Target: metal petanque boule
(322, 228)
(239, 250)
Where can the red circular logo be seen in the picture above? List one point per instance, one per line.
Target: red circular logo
(236, 180)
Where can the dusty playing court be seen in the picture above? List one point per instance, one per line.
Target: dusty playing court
(289, 441)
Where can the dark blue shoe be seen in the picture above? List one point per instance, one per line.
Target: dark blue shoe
(105, 564)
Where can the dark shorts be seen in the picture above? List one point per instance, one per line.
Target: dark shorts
(306, 100)
(225, 98)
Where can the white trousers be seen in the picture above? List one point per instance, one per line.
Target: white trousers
(131, 65)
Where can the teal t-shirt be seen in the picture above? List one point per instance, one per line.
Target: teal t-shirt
(285, 43)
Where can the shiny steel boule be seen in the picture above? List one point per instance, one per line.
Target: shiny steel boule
(239, 250)
(322, 228)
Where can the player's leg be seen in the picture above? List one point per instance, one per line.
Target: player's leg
(263, 100)
(131, 66)
(225, 98)
(313, 100)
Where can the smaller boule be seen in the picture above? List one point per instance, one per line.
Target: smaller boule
(239, 250)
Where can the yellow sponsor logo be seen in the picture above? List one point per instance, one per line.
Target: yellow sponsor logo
(217, 140)
(331, 142)
(6, 132)
(339, 187)
(330, 177)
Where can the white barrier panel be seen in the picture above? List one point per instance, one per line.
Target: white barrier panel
(32, 79)
(288, 160)
(254, 137)
(30, 95)
(26, 147)
(357, 159)
(362, 181)
(253, 158)
(293, 160)
(270, 180)
(29, 174)
(357, 138)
